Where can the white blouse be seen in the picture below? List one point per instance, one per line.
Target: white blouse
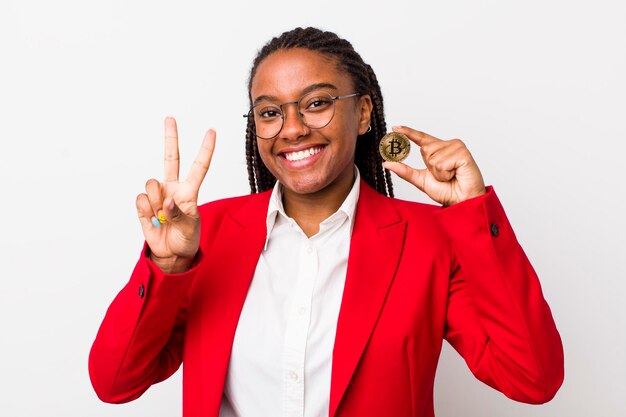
(281, 358)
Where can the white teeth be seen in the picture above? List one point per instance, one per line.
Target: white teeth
(296, 156)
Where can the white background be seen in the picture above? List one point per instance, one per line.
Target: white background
(535, 88)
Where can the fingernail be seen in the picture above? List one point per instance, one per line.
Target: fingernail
(155, 222)
(396, 127)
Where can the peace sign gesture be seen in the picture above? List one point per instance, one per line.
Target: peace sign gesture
(451, 174)
(175, 238)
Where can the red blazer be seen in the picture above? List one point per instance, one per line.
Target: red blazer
(416, 274)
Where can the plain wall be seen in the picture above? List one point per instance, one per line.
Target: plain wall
(536, 89)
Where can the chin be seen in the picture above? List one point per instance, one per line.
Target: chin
(304, 185)
(303, 188)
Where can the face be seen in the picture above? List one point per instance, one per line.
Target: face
(306, 160)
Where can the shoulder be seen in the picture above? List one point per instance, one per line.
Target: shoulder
(379, 211)
(246, 207)
(416, 224)
(230, 203)
(233, 215)
(414, 208)
(370, 199)
(421, 218)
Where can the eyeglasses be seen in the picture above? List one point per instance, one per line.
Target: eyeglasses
(316, 109)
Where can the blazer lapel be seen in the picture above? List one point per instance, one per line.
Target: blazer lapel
(375, 249)
(233, 259)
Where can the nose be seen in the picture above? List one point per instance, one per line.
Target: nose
(293, 125)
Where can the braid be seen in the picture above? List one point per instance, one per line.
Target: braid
(259, 177)
(367, 157)
(250, 159)
(379, 128)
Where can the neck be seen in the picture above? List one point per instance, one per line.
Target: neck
(309, 210)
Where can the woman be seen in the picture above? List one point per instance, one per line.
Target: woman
(317, 295)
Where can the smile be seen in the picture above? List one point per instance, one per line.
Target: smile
(297, 156)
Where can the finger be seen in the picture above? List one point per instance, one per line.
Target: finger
(203, 160)
(144, 211)
(458, 152)
(417, 177)
(449, 146)
(155, 199)
(417, 137)
(443, 172)
(171, 158)
(445, 160)
(172, 212)
(433, 150)
(440, 163)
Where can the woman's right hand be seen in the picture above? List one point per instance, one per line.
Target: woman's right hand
(174, 244)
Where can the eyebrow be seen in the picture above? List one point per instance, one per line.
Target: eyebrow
(307, 90)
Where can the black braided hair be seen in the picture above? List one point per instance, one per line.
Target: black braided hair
(367, 157)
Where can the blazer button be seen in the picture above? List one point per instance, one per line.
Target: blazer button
(142, 291)
(494, 230)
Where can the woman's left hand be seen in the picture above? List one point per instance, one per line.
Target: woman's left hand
(451, 174)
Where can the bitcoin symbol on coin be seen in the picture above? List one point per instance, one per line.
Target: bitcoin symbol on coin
(394, 147)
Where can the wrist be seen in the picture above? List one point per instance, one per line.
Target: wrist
(173, 264)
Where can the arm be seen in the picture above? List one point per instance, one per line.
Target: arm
(140, 340)
(497, 317)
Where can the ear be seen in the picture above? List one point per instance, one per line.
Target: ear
(365, 113)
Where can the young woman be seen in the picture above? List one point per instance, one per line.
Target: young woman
(318, 294)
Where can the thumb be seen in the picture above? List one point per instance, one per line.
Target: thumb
(172, 212)
(415, 176)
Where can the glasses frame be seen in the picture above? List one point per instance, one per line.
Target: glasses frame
(250, 114)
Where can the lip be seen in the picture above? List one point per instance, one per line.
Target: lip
(301, 163)
(300, 148)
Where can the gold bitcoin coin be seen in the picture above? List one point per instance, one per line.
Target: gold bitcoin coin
(394, 147)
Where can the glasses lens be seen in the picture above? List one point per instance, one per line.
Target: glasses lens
(268, 119)
(317, 109)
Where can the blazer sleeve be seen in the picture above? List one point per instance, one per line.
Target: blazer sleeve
(497, 317)
(140, 340)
